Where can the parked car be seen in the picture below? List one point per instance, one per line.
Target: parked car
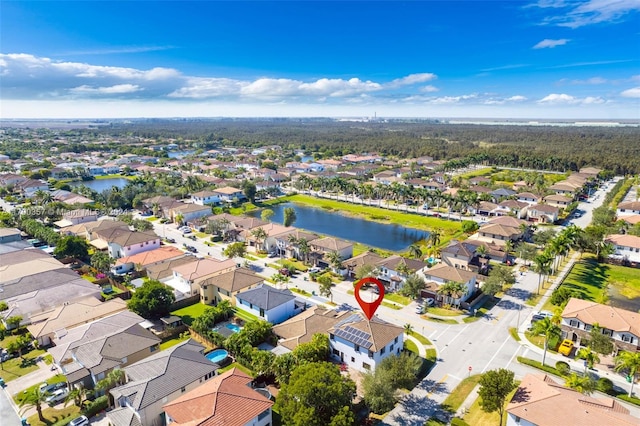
(170, 240)
(272, 254)
(536, 317)
(313, 270)
(57, 396)
(79, 421)
(566, 347)
(284, 271)
(429, 302)
(420, 310)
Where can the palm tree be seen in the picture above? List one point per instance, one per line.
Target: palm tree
(482, 251)
(415, 251)
(546, 328)
(434, 237)
(35, 398)
(542, 263)
(408, 329)
(335, 259)
(304, 249)
(260, 235)
(452, 291)
(629, 362)
(78, 395)
(589, 356)
(179, 218)
(583, 384)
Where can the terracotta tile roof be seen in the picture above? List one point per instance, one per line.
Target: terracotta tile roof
(125, 237)
(500, 230)
(226, 400)
(507, 221)
(544, 208)
(151, 256)
(227, 190)
(541, 401)
(633, 219)
(364, 258)
(631, 205)
(615, 319)
(394, 261)
(331, 243)
(625, 240)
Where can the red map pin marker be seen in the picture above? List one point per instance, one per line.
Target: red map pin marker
(369, 308)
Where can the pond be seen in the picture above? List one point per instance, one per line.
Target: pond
(179, 154)
(374, 234)
(100, 185)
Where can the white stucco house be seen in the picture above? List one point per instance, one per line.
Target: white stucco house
(269, 303)
(627, 247)
(205, 197)
(362, 344)
(123, 242)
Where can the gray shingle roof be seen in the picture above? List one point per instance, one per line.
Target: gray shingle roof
(163, 373)
(266, 297)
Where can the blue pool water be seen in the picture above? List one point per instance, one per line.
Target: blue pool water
(217, 355)
(234, 328)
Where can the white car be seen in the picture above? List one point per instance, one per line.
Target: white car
(313, 270)
(79, 421)
(57, 396)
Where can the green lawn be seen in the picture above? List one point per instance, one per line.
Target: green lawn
(457, 397)
(189, 313)
(18, 367)
(539, 342)
(440, 320)
(246, 316)
(300, 291)
(395, 297)
(444, 312)
(173, 341)
(474, 173)
(588, 279)
(52, 415)
(410, 346)
(476, 416)
(238, 366)
(420, 338)
(391, 305)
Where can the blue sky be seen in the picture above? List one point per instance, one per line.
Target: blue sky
(517, 59)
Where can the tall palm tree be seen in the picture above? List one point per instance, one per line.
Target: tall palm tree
(335, 259)
(452, 291)
(546, 328)
(35, 398)
(408, 329)
(304, 249)
(415, 251)
(260, 235)
(629, 362)
(434, 237)
(542, 262)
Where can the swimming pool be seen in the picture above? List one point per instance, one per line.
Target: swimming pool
(234, 328)
(217, 356)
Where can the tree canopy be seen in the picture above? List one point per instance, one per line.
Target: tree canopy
(495, 386)
(152, 300)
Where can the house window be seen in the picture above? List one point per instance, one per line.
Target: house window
(336, 352)
(154, 348)
(366, 366)
(383, 350)
(183, 389)
(607, 332)
(261, 312)
(391, 349)
(206, 298)
(124, 360)
(395, 340)
(141, 245)
(357, 348)
(574, 323)
(627, 338)
(353, 359)
(588, 327)
(370, 354)
(331, 337)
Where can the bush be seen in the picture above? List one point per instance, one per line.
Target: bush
(605, 385)
(539, 366)
(631, 399)
(99, 404)
(563, 367)
(561, 296)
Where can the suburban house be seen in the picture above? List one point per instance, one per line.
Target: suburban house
(227, 284)
(145, 259)
(541, 401)
(623, 326)
(188, 212)
(10, 235)
(365, 258)
(44, 326)
(559, 201)
(160, 378)
(391, 270)
(205, 197)
(287, 244)
(228, 399)
(229, 194)
(87, 353)
(186, 279)
(123, 242)
(322, 246)
(495, 232)
(543, 213)
(628, 208)
(462, 255)
(627, 247)
(512, 207)
(442, 274)
(270, 304)
(529, 197)
(31, 286)
(74, 217)
(566, 187)
(11, 179)
(302, 327)
(269, 243)
(29, 187)
(362, 344)
(163, 271)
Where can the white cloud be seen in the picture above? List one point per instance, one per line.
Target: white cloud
(549, 43)
(412, 79)
(564, 99)
(117, 89)
(429, 89)
(634, 92)
(517, 98)
(580, 14)
(592, 80)
(452, 99)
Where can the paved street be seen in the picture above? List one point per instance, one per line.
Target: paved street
(8, 414)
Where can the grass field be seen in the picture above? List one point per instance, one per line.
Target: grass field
(52, 415)
(238, 366)
(588, 279)
(410, 346)
(480, 172)
(172, 342)
(189, 313)
(476, 416)
(18, 367)
(460, 393)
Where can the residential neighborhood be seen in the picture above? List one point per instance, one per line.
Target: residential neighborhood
(188, 286)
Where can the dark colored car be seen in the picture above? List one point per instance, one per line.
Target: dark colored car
(537, 318)
(284, 271)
